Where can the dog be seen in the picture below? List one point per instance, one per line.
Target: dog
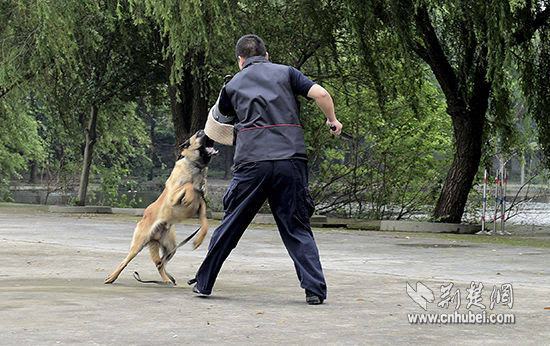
(182, 198)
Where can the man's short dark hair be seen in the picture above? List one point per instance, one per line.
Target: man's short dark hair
(250, 45)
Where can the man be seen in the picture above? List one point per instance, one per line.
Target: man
(270, 163)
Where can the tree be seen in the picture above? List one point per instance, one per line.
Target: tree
(188, 33)
(19, 139)
(114, 63)
(91, 57)
(19, 142)
(467, 47)
(197, 39)
(532, 55)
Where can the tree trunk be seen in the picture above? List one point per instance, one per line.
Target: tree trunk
(33, 174)
(188, 100)
(468, 132)
(91, 136)
(152, 150)
(468, 123)
(467, 101)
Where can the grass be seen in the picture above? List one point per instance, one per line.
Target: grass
(472, 238)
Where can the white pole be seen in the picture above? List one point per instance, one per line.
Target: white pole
(496, 203)
(505, 177)
(501, 198)
(484, 201)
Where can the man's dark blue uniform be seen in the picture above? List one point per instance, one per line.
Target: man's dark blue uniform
(270, 164)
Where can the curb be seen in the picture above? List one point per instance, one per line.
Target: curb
(87, 209)
(428, 227)
(319, 221)
(129, 211)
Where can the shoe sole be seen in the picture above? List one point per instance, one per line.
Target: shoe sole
(199, 293)
(314, 301)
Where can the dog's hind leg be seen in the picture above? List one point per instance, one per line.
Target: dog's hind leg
(139, 240)
(154, 248)
(169, 244)
(204, 224)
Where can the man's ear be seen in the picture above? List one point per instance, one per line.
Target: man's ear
(241, 62)
(185, 145)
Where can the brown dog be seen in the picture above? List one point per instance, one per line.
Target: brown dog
(182, 198)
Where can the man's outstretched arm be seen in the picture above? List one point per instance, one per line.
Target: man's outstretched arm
(324, 101)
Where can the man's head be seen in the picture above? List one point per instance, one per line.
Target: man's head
(249, 46)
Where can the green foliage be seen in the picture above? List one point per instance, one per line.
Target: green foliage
(295, 32)
(19, 141)
(155, 113)
(57, 59)
(121, 150)
(5, 193)
(61, 141)
(83, 53)
(189, 30)
(535, 84)
(115, 191)
(394, 166)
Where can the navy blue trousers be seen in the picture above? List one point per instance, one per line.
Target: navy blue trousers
(284, 183)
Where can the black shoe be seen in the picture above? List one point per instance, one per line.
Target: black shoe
(196, 290)
(312, 298)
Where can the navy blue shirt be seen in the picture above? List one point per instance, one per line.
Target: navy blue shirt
(262, 96)
(298, 81)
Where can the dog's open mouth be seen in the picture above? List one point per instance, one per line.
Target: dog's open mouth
(211, 151)
(209, 146)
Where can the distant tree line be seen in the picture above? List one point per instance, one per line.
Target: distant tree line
(430, 90)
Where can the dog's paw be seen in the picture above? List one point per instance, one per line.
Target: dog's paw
(200, 238)
(109, 280)
(186, 202)
(196, 244)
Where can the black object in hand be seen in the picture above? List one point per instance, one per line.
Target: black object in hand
(344, 134)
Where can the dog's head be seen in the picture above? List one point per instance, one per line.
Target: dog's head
(199, 149)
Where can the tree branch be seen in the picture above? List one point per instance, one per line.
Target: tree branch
(528, 29)
(125, 86)
(432, 53)
(307, 54)
(5, 90)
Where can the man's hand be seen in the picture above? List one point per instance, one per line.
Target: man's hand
(335, 127)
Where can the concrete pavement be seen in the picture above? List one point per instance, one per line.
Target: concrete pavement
(52, 292)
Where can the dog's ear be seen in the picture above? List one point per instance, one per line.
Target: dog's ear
(185, 145)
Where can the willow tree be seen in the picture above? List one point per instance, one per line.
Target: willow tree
(532, 54)
(19, 140)
(191, 36)
(86, 60)
(198, 39)
(469, 47)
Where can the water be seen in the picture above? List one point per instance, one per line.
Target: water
(532, 213)
(527, 213)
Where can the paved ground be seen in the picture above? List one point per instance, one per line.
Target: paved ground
(52, 292)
